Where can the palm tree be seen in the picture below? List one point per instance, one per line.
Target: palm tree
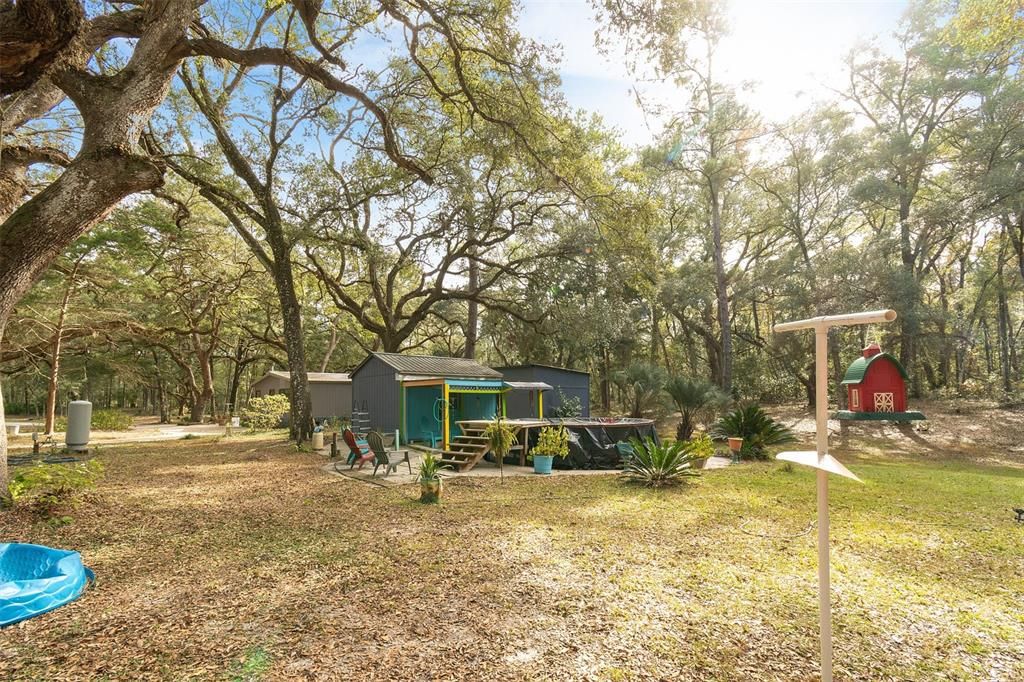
(693, 398)
(641, 383)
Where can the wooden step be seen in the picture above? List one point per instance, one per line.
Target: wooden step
(463, 447)
(457, 454)
(478, 439)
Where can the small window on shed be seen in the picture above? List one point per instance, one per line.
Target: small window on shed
(258, 393)
(855, 398)
(270, 392)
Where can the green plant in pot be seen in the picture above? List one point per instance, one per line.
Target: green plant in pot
(751, 429)
(431, 484)
(501, 437)
(700, 448)
(552, 441)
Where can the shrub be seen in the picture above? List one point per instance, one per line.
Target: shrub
(570, 406)
(701, 447)
(430, 468)
(48, 488)
(755, 427)
(102, 420)
(111, 420)
(657, 465)
(335, 424)
(552, 441)
(266, 412)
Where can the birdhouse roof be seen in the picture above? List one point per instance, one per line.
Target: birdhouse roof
(857, 370)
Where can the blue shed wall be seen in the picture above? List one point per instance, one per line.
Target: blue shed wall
(570, 383)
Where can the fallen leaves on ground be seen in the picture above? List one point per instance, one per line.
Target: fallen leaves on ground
(215, 564)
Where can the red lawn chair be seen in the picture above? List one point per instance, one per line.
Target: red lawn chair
(358, 455)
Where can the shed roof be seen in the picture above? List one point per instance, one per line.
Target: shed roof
(857, 370)
(537, 364)
(433, 366)
(527, 385)
(313, 377)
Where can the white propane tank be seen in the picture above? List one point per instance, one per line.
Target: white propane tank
(79, 421)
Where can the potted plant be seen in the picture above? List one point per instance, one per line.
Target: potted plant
(700, 448)
(552, 441)
(501, 438)
(431, 485)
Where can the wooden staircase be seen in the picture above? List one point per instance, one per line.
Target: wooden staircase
(466, 450)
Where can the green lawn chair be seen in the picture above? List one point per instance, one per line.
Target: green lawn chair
(383, 458)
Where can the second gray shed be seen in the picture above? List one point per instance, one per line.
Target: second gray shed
(329, 392)
(570, 383)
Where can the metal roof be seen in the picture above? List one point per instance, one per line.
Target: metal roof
(856, 372)
(435, 366)
(528, 385)
(537, 364)
(313, 377)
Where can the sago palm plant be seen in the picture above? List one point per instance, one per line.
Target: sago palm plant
(656, 465)
(755, 427)
(695, 399)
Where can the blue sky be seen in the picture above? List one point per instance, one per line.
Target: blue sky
(792, 52)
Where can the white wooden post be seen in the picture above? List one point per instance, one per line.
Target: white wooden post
(821, 460)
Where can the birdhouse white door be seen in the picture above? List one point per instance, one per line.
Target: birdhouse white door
(884, 402)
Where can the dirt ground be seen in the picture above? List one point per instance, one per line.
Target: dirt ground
(242, 559)
(975, 431)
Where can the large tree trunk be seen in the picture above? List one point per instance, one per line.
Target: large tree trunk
(291, 312)
(115, 110)
(236, 378)
(205, 395)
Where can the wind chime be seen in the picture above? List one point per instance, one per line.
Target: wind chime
(821, 460)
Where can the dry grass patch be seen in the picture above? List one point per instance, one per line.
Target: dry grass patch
(242, 559)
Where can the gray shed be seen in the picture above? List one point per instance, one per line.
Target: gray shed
(329, 392)
(563, 381)
(402, 392)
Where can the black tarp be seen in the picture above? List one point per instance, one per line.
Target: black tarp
(593, 445)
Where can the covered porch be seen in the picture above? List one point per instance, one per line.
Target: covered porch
(432, 408)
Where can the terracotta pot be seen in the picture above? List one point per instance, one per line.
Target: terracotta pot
(430, 491)
(736, 444)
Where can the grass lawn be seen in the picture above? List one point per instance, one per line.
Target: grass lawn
(241, 559)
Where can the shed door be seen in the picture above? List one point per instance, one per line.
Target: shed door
(884, 402)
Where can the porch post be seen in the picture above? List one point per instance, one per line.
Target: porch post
(444, 425)
(403, 411)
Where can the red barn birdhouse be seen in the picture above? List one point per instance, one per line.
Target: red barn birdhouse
(876, 388)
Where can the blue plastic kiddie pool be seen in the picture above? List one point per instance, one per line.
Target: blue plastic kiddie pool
(36, 579)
